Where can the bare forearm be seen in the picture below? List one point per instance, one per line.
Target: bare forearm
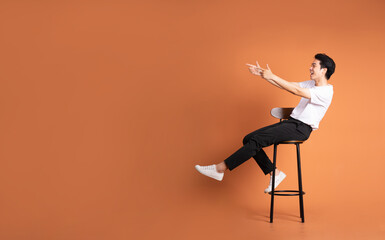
(275, 84)
(283, 84)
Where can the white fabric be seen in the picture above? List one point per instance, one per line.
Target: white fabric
(311, 111)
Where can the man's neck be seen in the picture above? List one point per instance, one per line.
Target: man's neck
(321, 82)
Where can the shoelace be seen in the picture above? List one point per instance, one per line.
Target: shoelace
(211, 167)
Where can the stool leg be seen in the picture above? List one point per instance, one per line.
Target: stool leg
(300, 184)
(273, 182)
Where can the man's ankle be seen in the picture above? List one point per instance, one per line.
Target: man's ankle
(276, 172)
(221, 167)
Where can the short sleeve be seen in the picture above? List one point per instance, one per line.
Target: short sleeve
(306, 84)
(321, 96)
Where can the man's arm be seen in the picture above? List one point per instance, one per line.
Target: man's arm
(272, 82)
(292, 87)
(275, 84)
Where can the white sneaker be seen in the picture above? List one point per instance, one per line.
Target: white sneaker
(278, 179)
(210, 171)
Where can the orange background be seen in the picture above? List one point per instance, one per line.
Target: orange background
(106, 106)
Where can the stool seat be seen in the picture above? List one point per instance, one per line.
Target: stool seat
(291, 142)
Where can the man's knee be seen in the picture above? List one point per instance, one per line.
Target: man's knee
(251, 137)
(251, 146)
(246, 139)
(262, 140)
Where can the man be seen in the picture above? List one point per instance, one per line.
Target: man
(316, 95)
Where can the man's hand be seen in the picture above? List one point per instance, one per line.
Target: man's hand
(267, 73)
(254, 69)
(258, 71)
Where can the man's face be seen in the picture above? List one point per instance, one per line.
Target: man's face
(316, 72)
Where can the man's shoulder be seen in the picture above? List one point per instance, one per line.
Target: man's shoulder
(307, 84)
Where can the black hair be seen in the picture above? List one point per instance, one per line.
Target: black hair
(326, 62)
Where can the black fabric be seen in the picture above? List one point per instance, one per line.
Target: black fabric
(291, 129)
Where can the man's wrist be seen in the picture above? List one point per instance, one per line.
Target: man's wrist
(274, 78)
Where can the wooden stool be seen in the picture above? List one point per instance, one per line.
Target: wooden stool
(284, 113)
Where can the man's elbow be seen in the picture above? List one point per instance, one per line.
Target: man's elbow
(294, 90)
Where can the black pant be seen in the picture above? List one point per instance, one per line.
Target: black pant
(291, 129)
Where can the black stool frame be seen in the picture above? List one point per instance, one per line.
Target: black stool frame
(299, 192)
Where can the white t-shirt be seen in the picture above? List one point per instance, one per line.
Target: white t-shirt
(311, 111)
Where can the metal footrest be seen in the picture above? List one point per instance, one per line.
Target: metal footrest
(287, 193)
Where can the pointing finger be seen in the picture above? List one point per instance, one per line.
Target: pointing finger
(268, 66)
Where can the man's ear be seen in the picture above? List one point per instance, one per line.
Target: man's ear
(324, 70)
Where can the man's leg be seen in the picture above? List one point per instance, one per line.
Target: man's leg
(250, 149)
(260, 157)
(255, 141)
(243, 154)
(264, 162)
